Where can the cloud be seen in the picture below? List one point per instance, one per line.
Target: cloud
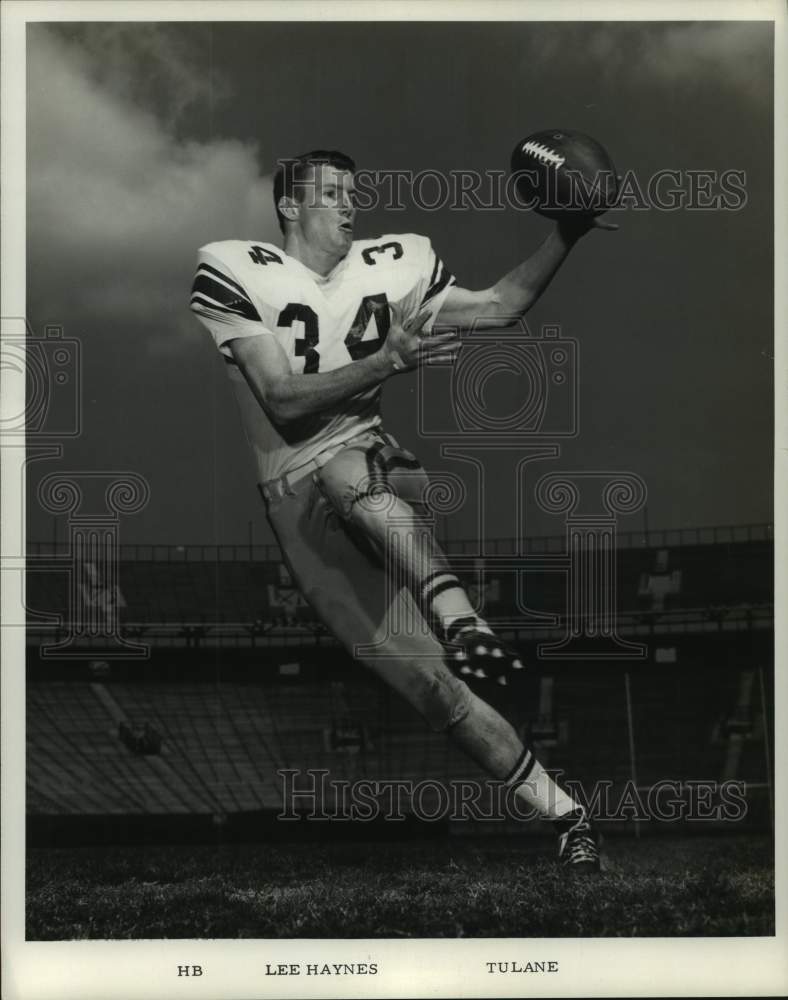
(119, 199)
(117, 203)
(165, 67)
(730, 55)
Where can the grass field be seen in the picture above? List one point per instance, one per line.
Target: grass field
(463, 887)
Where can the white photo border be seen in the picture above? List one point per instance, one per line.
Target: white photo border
(418, 968)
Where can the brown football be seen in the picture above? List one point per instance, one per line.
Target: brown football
(559, 171)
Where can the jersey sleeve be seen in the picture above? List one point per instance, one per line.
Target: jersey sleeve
(433, 282)
(221, 302)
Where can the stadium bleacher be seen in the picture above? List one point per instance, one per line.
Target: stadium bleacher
(221, 722)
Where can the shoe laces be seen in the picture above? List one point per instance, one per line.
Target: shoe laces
(578, 844)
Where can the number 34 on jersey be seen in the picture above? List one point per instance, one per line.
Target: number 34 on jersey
(245, 289)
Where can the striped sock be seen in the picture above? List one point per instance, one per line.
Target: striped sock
(443, 601)
(538, 790)
(522, 769)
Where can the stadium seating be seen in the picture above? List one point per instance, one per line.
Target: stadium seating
(229, 721)
(223, 744)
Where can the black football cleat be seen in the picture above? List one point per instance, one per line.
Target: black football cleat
(473, 653)
(578, 843)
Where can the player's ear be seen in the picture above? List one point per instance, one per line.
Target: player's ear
(289, 208)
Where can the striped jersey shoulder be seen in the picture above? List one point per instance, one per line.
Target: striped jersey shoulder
(239, 252)
(216, 285)
(393, 249)
(412, 252)
(440, 278)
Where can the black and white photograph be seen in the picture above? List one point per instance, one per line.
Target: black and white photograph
(389, 495)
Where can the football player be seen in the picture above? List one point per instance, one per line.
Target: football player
(310, 333)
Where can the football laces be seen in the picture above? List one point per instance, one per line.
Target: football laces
(544, 154)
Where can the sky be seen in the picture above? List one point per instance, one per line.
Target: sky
(147, 140)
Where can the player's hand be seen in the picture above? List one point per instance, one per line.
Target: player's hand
(406, 347)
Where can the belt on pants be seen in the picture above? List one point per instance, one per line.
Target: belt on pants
(275, 489)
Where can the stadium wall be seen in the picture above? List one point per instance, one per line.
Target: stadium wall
(235, 682)
(210, 740)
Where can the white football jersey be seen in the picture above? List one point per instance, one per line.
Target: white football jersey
(248, 289)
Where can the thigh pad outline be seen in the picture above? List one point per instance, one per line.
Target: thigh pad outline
(355, 473)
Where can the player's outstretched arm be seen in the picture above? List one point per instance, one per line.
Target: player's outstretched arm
(515, 293)
(286, 396)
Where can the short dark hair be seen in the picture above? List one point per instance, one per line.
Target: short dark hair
(290, 172)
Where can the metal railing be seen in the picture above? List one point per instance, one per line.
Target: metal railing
(652, 539)
(227, 633)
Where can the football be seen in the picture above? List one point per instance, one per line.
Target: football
(559, 171)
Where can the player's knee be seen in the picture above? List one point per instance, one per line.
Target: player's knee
(337, 482)
(355, 496)
(373, 490)
(446, 700)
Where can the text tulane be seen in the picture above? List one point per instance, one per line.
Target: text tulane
(551, 966)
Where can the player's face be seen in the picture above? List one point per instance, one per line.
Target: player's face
(327, 209)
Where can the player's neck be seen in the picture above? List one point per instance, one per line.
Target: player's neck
(317, 260)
